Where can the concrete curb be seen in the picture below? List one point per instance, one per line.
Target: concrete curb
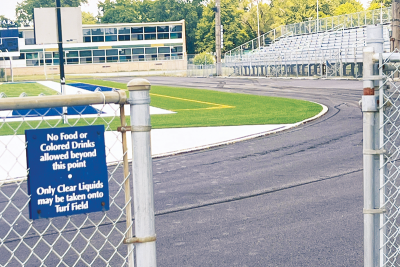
(247, 137)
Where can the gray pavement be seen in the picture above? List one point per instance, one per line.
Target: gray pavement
(288, 199)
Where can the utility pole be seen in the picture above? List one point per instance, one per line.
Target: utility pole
(395, 38)
(61, 56)
(218, 35)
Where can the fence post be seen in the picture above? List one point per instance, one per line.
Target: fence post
(371, 146)
(143, 203)
(127, 187)
(369, 109)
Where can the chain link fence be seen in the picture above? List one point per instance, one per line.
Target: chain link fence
(94, 239)
(390, 167)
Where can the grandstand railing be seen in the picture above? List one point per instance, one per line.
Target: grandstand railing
(353, 20)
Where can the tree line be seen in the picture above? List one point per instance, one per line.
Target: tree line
(238, 17)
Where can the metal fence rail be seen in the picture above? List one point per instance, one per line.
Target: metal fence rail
(94, 239)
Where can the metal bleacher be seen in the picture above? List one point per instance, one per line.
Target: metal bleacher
(303, 49)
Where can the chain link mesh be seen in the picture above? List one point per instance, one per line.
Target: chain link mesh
(390, 164)
(94, 239)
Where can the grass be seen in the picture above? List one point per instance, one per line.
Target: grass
(31, 89)
(196, 108)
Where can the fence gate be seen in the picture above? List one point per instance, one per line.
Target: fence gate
(94, 239)
(381, 149)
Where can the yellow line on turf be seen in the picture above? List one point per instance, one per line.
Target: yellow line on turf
(219, 106)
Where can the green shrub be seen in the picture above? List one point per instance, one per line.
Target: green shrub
(203, 58)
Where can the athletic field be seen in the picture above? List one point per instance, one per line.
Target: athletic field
(193, 107)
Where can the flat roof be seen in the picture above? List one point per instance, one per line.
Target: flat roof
(113, 25)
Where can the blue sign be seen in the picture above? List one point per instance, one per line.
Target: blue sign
(9, 40)
(67, 171)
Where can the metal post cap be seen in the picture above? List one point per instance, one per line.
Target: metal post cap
(138, 84)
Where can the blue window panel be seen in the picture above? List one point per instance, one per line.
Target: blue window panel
(9, 33)
(111, 38)
(9, 44)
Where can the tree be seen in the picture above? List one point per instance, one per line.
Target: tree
(235, 33)
(121, 11)
(88, 18)
(375, 4)
(24, 10)
(348, 8)
(294, 11)
(265, 17)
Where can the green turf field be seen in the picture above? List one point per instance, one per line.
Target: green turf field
(31, 89)
(198, 108)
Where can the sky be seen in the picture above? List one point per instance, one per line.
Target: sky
(7, 8)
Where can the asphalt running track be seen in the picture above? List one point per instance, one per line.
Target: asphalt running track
(288, 199)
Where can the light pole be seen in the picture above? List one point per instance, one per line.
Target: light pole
(317, 16)
(258, 27)
(218, 35)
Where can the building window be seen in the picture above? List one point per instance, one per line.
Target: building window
(72, 60)
(124, 58)
(87, 39)
(137, 30)
(111, 38)
(124, 31)
(163, 36)
(85, 60)
(98, 53)
(176, 28)
(30, 63)
(32, 55)
(86, 32)
(151, 57)
(112, 52)
(98, 31)
(96, 39)
(124, 37)
(99, 60)
(136, 51)
(162, 28)
(29, 37)
(164, 50)
(135, 37)
(87, 53)
(112, 59)
(110, 31)
(150, 36)
(176, 49)
(138, 58)
(150, 29)
(176, 35)
(125, 51)
(152, 50)
(70, 54)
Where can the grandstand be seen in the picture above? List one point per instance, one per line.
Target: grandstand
(334, 48)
